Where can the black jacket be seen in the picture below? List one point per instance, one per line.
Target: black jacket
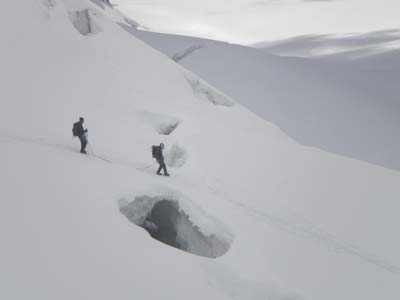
(158, 153)
(80, 131)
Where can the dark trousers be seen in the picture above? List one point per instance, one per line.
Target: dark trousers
(84, 142)
(162, 166)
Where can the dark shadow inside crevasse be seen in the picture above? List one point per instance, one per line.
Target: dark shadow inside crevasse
(161, 223)
(168, 223)
(167, 129)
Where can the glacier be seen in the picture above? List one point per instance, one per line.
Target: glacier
(287, 221)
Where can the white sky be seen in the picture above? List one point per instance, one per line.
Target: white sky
(251, 21)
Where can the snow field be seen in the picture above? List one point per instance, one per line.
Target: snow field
(298, 221)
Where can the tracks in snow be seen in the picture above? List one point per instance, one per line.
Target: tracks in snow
(49, 144)
(308, 231)
(299, 228)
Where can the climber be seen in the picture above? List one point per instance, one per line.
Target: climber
(157, 152)
(81, 133)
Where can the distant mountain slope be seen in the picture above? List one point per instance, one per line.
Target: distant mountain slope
(345, 107)
(338, 47)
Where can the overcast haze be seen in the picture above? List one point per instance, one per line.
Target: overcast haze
(252, 21)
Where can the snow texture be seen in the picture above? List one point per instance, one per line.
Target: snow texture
(176, 156)
(49, 3)
(292, 222)
(102, 3)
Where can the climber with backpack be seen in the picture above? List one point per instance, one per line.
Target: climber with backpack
(81, 133)
(157, 152)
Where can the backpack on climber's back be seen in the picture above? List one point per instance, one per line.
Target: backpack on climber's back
(154, 151)
(75, 130)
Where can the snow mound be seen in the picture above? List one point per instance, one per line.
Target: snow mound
(83, 21)
(204, 91)
(176, 156)
(165, 219)
(163, 124)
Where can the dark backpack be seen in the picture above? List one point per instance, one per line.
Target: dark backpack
(154, 151)
(75, 130)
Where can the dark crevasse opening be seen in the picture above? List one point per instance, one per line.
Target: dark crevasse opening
(163, 124)
(83, 21)
(167, 129)
(167, 223)
(161, 223)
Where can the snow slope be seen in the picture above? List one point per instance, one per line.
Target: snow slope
(346, 103)
(299, 223)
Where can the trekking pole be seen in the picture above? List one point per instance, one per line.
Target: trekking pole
(91, 148)
(89, 144)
